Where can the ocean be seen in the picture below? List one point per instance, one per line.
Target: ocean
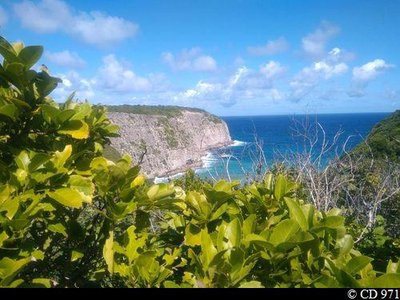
(280, 136)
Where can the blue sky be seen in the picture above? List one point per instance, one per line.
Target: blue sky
(231, 57)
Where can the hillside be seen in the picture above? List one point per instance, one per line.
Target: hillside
(384, 139)
(166, 139)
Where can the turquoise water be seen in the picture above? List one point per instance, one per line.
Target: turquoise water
(279, 139)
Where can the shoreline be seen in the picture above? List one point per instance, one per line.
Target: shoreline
(198, 164)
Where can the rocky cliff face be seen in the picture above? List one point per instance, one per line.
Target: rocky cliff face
(166, 145)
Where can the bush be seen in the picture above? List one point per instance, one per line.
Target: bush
(71, 218)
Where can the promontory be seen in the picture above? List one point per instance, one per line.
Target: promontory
(166, 140)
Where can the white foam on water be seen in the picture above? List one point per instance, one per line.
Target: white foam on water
(238, 144)
(165, 179)
(208, 160)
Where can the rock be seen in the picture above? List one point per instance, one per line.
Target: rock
(164, 144)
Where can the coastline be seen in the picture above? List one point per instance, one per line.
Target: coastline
(202, 164)
(197, 163)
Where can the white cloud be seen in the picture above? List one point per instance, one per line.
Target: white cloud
(114, 82)
(310, 77)
(115, 76)
(370, 70)
(366, 73)
(99, 29)
(73, 82)
(3, 17)
(272, 47)
(190, 60)
(272, 70)
(314, 43)
(95, 28)
(244, 84)
(66, 59)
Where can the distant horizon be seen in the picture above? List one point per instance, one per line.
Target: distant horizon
(308, 114)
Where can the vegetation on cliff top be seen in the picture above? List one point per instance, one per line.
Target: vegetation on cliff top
(384, 140)
(160, 110)
(71, 218)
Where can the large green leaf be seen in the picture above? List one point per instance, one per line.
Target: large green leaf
(390, 280)
(284, 231)
(67, 197)
(9, 268)
(77, 129)
(208, 250)
(296, 213)
(357, 263)
(282, 187)
(249, 224)
(108, 252)
(233, 232)
(7, 50)
(45, 84)
(251, 285)
(192, 235)
(30, 55)
(345, 244)
(9, 110)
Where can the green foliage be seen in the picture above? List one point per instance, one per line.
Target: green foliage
(71, 218)
(384, 139)
(160, 110)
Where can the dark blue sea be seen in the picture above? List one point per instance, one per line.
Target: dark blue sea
(278, 138)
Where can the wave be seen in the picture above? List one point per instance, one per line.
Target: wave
(208, 160)
(165, 179)
(237, 143)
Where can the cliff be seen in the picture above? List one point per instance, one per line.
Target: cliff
(167, 140)
(383, 142)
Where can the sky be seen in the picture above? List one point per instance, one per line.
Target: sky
(230, 57)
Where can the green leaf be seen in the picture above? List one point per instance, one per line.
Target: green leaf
(41, 282)
(3, 237)
(390, 280)
(171, 285)
(7, 50)
(233, 232)
(77, 129)
(283, 231)
(65, 115)
(50, 113)
(208, 250)
(76, 255)
(356, 264)
(67, 197)
(249, 224)
(108, 252)
(391, 266)
(332, 222)
(159, 191)
(282, 187)
(192, 235)
(60, 158)
(251, 285)
(23, 160)
(296, 213)
(37, 161)
(30, 55)
(9, 268)
(82, 184)
(9, 110)
(82, 111)
(58, 228)
(45, 84)
(345, 244)
(10, 206)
